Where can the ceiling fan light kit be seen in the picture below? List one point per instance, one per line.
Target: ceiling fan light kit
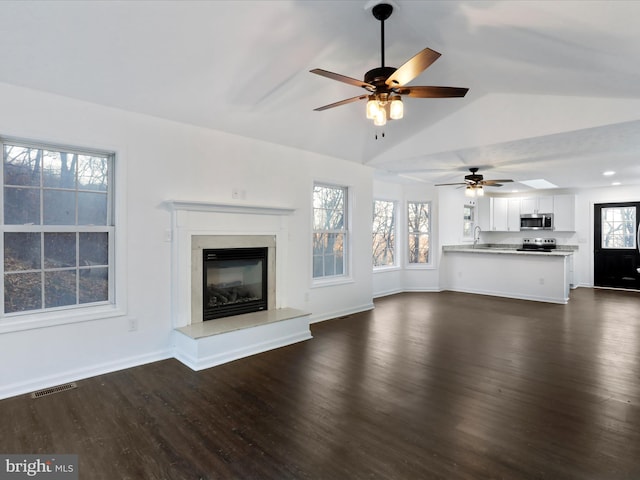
(473, 191)
(381, 107)
(386, 85)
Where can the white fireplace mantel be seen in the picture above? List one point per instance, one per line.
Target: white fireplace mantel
(196, 225)
(198, 206)
(195, 219)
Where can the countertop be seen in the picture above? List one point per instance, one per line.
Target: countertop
(560, 251)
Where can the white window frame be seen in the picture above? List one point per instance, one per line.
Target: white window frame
(345, 276)
(114, 306)
(472, 221)
(396, 219)
(431, 263)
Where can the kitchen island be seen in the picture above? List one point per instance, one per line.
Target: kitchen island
(507, 272)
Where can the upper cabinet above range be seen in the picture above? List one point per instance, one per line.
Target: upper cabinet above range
(535, 205)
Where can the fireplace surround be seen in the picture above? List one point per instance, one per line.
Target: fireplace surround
(231, 244)
(199, 226)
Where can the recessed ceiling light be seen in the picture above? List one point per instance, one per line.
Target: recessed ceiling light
(615, 184)
(608, 173)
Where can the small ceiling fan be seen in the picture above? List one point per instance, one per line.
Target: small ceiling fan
(387, 85)
(475, 183)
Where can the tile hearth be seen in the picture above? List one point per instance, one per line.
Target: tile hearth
(214, 342)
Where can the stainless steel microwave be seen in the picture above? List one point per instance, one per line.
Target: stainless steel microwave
(536, 221)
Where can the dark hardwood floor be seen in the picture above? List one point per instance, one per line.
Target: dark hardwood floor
(427, 385)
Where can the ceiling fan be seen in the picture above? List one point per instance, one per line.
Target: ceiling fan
(387, 85)
(474, 183)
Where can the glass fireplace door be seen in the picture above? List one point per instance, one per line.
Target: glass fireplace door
(235, 281)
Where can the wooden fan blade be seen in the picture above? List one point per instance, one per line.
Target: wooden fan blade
(344, 79)
(445, 184)
(412, 68)
(432, 92)
(491, 182)
(341, 102)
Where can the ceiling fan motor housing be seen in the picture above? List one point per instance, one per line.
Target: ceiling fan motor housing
(382, 11)
(474, 177)
(378, 77)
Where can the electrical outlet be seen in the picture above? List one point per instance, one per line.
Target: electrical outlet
(133, 324)
(542, 281)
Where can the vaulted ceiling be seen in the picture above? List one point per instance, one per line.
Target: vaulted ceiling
(554, 85)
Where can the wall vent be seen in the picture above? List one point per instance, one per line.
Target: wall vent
(50, 391)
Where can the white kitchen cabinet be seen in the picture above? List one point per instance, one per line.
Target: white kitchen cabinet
(483, 213)
(533, 205)
(504, 214)
(564, 213)
(513, 215)
(499, 214)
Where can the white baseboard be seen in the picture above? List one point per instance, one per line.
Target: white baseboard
(341, 313)
(387, 293)
(32, 385)
(423, 290)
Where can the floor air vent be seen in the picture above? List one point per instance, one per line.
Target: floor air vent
(52, 390)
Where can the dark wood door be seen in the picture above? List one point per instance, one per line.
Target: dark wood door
(616, 256)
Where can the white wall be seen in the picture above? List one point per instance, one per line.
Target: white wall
(158, 160)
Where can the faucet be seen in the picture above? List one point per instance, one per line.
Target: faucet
(476, 235)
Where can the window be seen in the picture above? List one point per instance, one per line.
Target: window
(468, 222)
(329, 230)
(618, 227)
(384, 233)
(58, 228)
(419, 234)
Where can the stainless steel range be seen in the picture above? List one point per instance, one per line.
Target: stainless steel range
(538, 245)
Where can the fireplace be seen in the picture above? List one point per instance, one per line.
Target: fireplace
(196, 269)
(234, 281)
(201, 226)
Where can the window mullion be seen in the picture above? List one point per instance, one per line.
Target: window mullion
(42, 272)
(87, 178)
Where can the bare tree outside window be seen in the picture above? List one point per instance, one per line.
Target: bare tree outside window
(329, 230)
(618, 227)
(384, 233)
(419, 232)
(57, 225)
